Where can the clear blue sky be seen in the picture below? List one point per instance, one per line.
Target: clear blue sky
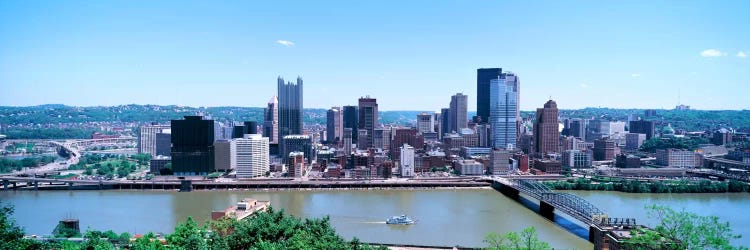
(411, 55)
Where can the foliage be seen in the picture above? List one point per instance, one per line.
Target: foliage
(683, 230)
(651, 145)
(148, 242)
(11, 235)
(188, 236)
(652, 186)
(96, 240)
(526, 240)
(9, 165)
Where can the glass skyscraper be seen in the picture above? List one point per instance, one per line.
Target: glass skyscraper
(290, 108)
(503, 113)
(483, 92)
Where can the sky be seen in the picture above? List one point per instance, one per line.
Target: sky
(410, 55)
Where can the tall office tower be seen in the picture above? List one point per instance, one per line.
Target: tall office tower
(252, 156)
(163, 143)
(147, 138)
(368, 117)
(351, 120)
(459, 113)
(503, 106)
(425, 123)
(514, 83)
(192, 146)
(225, 155)
(633, 141)
(382, 138)
(406, 163)
(347, 141)
(445, 122)
(271, 120)
(290, 109)
(546, 129)
(364, 139)
(483, 93)
(334, 125)
(643, 127)
(578, 128)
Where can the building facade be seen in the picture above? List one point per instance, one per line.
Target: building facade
(225, 156)
(334, 125)
(406, 163)
(499, 162)
(459, 118)
(484, 76)
(503, 120)
(192, 146)
(677, 158)
(147, 138)
(368, 117)
(546, 129)
(252, 156)
(290, 108)
(604, 149)
(634, 141)
(643, 127)
(351, 120)
(425, 123)
(271, 120)
(298, 143)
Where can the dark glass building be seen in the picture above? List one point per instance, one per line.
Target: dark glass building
(643, 127)
(163, 144)
(483, 93)
(251, 127)
(351, 120)
(192, 146)
(368, 118)
(290, 108)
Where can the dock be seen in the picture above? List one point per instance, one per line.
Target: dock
(242, 210)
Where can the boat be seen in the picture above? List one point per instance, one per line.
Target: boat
(400, 220)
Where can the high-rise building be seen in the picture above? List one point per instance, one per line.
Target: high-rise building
(351, 120)
(643, 127)
(252, 156)
(633, 141)
(604, 149)
(425, 123)
(147, 138)
(364, 139)
(406, 163)
(334, 125)
(546, 129)
(290, 108)
(578, 129)
(251, 127)
(347, 141)
(225, 155)
(445, 122)
(459, 112)
(403, 136)
(503, 120)
(271, 120)
(483, 93)
(368, 117)
(192, 146)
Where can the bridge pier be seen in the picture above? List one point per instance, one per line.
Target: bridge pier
(186, 186)
(36, 185)
(70, 186)
(6, 183)
(506, 190)
(547, 210)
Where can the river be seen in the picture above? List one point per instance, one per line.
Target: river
(445, 217)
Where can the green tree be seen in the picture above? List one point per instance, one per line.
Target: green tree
(148, 242)
(96, 240)
(683, 230)
(526, 240)
(11, 235)
(188, 236)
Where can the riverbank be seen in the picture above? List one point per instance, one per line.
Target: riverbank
(650, 186)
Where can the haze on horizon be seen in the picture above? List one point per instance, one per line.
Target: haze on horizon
(409, 55)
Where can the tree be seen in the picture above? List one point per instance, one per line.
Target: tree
(96, 240)
(683, 230)
(188, 235)
(526, 240)
(148, 242)
(11, 235)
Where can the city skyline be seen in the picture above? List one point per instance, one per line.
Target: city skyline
(608, 62)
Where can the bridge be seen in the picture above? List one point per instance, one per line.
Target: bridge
(727, 169)
(66, 148)
(599, 222)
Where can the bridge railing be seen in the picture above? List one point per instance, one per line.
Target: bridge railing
(571, 204)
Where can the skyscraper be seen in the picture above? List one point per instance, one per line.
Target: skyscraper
(192, 146)
(458, 110)
(445, 122)
(425, 124)
(147, 138)
(351, 120)
(578, 128)
(483, 93)
(271, 120)
(546, 129)
(643, 127)
(290, 108)
(368, 117)
(252, 156)
(334, 125)
(503, 118)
